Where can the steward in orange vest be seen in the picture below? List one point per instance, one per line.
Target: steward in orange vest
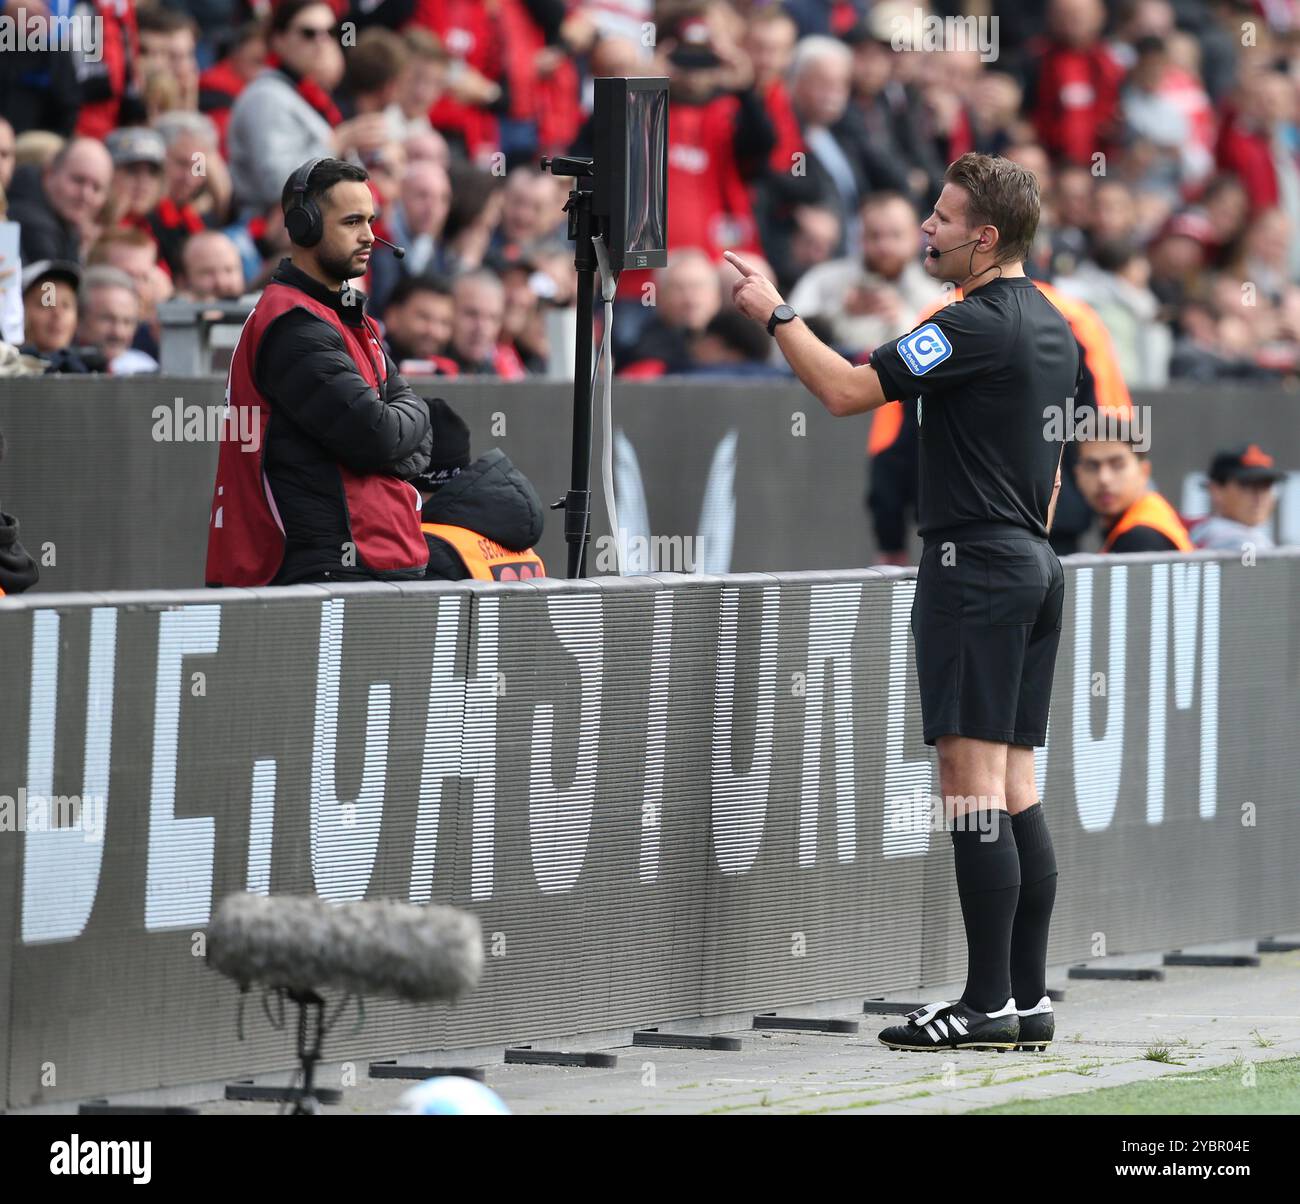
(1148, 518)
(480, 520)
(1114, 478)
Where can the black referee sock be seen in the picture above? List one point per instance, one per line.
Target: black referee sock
(1034, 910)
(988, 884)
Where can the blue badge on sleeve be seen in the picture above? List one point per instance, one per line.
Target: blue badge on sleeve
(924, 348)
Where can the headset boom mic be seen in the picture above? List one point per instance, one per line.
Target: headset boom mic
(378, 948)
(935, 253)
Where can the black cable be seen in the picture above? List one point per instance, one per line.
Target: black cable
(970, 267)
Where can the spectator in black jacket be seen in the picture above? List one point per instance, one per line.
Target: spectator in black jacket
(38, 87)
(841, 155)
(56, 207)
(688, 298)
(893, 112)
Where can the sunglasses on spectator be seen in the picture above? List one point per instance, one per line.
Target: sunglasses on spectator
(312, 32)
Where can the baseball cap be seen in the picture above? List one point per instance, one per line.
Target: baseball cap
(51, 269)
(1246, 464)
(450, 445)
(136, 144)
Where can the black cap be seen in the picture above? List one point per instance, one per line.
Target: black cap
(450, 446)
(51, 269)
(1247, 463)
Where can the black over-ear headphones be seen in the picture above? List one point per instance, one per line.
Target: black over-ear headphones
(303, 219)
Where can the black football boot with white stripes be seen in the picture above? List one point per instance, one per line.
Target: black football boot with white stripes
(945, 1025)
(1037, 1026)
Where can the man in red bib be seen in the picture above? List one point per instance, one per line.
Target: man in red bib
(322, 433)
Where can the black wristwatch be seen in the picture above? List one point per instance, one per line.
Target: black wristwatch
(782, 313)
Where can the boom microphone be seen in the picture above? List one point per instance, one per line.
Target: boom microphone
(398, 252)
(381, 947)
(935, 253)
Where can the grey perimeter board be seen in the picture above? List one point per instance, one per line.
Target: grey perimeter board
(112, 478)
(664, 796)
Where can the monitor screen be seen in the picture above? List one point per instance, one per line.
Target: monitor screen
(647, 131)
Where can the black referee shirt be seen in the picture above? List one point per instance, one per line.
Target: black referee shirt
(986, 372)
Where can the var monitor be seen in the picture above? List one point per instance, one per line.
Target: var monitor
(630, 153)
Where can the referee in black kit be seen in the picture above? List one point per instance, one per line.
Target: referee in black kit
(986, 619)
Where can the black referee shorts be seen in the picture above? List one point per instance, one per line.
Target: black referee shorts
(986, 620)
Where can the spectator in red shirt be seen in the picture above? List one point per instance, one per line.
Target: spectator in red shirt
(109, 85)
(541, 78)
(470, 33)
(1076, 98)
(1265, 101)
(769, 42)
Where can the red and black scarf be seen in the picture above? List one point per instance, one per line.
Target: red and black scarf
(309, 90)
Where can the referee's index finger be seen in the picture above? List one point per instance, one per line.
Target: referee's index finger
(740, 265)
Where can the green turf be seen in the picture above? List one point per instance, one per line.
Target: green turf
(1217, 1091)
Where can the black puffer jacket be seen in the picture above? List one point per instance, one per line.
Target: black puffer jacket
(43, 234)
(491, 497)
(18, 570)
(324, 415)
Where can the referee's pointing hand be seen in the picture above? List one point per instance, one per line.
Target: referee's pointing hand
(753, 294)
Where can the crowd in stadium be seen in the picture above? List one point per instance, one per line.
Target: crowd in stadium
(809, 135)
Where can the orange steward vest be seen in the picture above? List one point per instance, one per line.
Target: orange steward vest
(485, 559)
(1151, 510)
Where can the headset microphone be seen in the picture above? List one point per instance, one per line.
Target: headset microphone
(398, 252)
(935, 253)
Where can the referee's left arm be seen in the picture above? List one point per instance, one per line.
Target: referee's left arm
(840, 386)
